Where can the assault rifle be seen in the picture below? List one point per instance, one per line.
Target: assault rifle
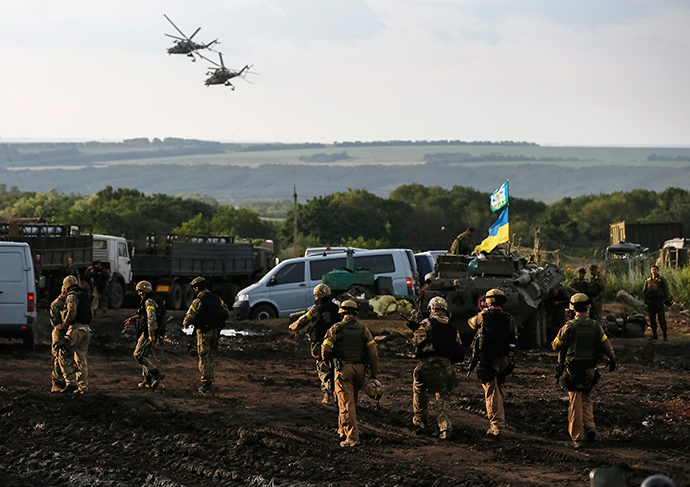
(474, 358)
(411, 324)
(559, 372)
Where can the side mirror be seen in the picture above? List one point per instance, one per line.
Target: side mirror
(272, 281)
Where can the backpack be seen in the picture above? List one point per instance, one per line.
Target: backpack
(160, 314)
(497, 339)
(84, 313)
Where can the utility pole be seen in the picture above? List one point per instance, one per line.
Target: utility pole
(294, 238)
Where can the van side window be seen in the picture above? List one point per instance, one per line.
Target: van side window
(290, 273)
(378, 264)
(319, 267)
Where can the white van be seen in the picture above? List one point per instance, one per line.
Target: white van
(17, 293)
(288, 287)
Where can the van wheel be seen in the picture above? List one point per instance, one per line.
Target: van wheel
(264, 312)
(29, 341)
(117, 295)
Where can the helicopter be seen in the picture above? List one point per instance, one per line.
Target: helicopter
(223, 75)
(185, 45)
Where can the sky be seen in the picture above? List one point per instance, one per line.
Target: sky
(554, 72)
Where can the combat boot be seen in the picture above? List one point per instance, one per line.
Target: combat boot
(326, 398)
(206, 387)
(445, 435)
(157, 378)
(418, 423)
(146, 382)
(654, 337)
(665, 336)
(591, 435)
(69, 388)
(57, 386)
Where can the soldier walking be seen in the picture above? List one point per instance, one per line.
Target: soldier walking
(656, 294)
(493, 351)
(148, 330)
(352, 348)
(208, 314)
(56, 309)
(581, 344)
(437, 346)
(74, 345)
(321, 317)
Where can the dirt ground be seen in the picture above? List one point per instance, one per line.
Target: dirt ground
(265, 426)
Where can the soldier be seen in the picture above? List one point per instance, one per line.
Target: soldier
(321, 317)
(75, 319)
(69, 269)
(581, 344)
(493, 351)
(656, 294)
(56, 309)
(208, 314)
(100, 278)
(437, 346)
(461, 244)
(147, 330)
(597, 287)
(352, 348)
(580, 284)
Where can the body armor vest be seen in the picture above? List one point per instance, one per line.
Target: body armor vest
(443, 342)
(212, 314)
(328, 316)
(84, 313)
(350, 345)
(583, 347)
(496, 335)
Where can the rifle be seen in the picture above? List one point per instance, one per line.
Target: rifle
(411, 324)
(474, 358)
(559, 372)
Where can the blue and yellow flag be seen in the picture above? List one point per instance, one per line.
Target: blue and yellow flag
(499, 198)
(498, 233)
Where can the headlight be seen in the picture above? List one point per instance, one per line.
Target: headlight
(242, 297)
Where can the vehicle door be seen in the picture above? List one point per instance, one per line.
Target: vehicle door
(288, 288)
(124, 264)
(14, 287)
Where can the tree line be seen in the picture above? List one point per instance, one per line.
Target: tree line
(411, 217)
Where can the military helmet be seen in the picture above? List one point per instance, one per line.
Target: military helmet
(373, 389)
(579, 302)
(495, 296)
(658, 480)
(348, 306)
(321, 291)
(145, 287)
(69, 281)
(199, 282)
(437, 302)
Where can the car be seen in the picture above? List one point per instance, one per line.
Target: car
(17, 293)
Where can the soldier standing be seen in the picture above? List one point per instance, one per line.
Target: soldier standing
(75, 319)
(208, 314)
(69, 269)
(461, 244)
(352, 347)
(581, 344)
(148, 332)
(56, 309)
(493, 351)
(656, 293)
(580, 284)
(437, 346)
(597, 289)
(100, 278)
(321, 317)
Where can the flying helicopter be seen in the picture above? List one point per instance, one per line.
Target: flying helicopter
(222, 75)
(185, 45)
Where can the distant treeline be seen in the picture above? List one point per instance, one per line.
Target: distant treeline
(72, 156)
(278, 146)
(386, 143)
(322, 157)
(138, 142)
(459, 157)
(654, 158)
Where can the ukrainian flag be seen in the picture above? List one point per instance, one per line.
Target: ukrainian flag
(498, 233)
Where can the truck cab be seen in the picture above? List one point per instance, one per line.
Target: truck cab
(115, 252)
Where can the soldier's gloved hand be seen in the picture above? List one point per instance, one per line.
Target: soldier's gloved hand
(63, 344)
(612, 365)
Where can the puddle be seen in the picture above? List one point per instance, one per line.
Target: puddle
(232, 332)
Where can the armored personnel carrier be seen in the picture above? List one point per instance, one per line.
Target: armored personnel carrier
(464, 280)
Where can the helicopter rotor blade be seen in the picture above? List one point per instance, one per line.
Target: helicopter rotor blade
(190, 37)
(207, 59)
(175, 37)
(178, 30)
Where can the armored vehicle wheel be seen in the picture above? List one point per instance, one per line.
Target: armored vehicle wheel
(117, 295)
(533, 334)
(187, 295)
(459, 302)
(174, 299)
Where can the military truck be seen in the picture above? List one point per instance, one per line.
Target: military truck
(464, 280)
(56, 242)
(171, 261)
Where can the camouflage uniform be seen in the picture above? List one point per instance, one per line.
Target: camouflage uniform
(580, 286)
(434, 374)
(353, 347)
(76, 373)
(147, 326)
(655, 292)
(56, 309)
(597, 288)
(321, 317)
(461, 244)
(207, 335)
(493, 368)
(581, 373)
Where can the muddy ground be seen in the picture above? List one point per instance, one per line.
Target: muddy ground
(264, 426)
